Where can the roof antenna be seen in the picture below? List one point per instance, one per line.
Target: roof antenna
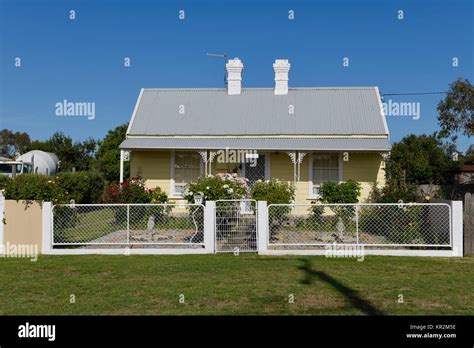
(220, 55)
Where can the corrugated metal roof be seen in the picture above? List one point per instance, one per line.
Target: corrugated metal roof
(328, 144)
(257, 111)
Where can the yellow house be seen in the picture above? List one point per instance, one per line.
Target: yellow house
(305, 136)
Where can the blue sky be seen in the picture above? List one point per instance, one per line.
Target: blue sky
(82, 60)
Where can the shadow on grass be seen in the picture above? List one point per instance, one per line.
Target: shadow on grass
(352, 296)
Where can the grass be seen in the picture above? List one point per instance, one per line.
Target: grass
(89, 225)
(228, 284)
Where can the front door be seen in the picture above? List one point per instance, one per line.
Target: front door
(255, 171)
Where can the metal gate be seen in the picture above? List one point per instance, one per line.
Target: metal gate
(236, 225)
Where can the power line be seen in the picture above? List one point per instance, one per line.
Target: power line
(420, 93)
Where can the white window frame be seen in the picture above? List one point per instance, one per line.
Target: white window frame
(173, 193)
(311, 195)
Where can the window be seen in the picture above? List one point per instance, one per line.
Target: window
(187, 169)
(5, 168)
(323, 168)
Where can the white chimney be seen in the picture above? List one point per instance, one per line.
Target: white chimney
(281, 68)
(234, 76)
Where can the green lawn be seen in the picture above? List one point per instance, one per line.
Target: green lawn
(228, 284)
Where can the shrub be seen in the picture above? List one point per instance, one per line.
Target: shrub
(4, 181)
(375, 195)
(130, 191)
(396, 224)
(243, 182)
(393, 193)
(317, 212)
(215, 188)
(273, 191)
(331, 193)
(157, 196)
(35, 187)
(346, 192)
(133, 191)
(380, 220)
(83, 187)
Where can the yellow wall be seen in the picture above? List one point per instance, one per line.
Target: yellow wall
(154, 166)
(281, 168)
(365, 168)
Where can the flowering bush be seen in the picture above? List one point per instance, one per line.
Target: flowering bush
(222, 186)
(83, 187)
(35, 187)
(134, 191)
(131, 191)
(243, 182)
(157, 196)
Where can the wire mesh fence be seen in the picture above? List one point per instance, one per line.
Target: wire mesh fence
(128, 224)
(387, 225)
(236, 225)
(299, 226)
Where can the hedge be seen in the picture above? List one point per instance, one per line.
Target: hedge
(83, 187)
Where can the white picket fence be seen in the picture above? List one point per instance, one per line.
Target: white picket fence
(278, 229)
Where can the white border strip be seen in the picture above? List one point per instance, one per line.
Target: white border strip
(381, 112)
(427, 253)
(135, 111)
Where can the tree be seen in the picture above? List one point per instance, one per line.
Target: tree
(456, 110)
(80, 156)
(469, 157)
(108, 155)
(13, 142)
(420, 159)
(88, 150)
(68, 153)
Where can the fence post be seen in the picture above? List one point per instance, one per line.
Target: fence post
(47, 215)
(457, 225)
(2, 216)
(262, 243)
(469, 224)
(122, 155)
(209, 226)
